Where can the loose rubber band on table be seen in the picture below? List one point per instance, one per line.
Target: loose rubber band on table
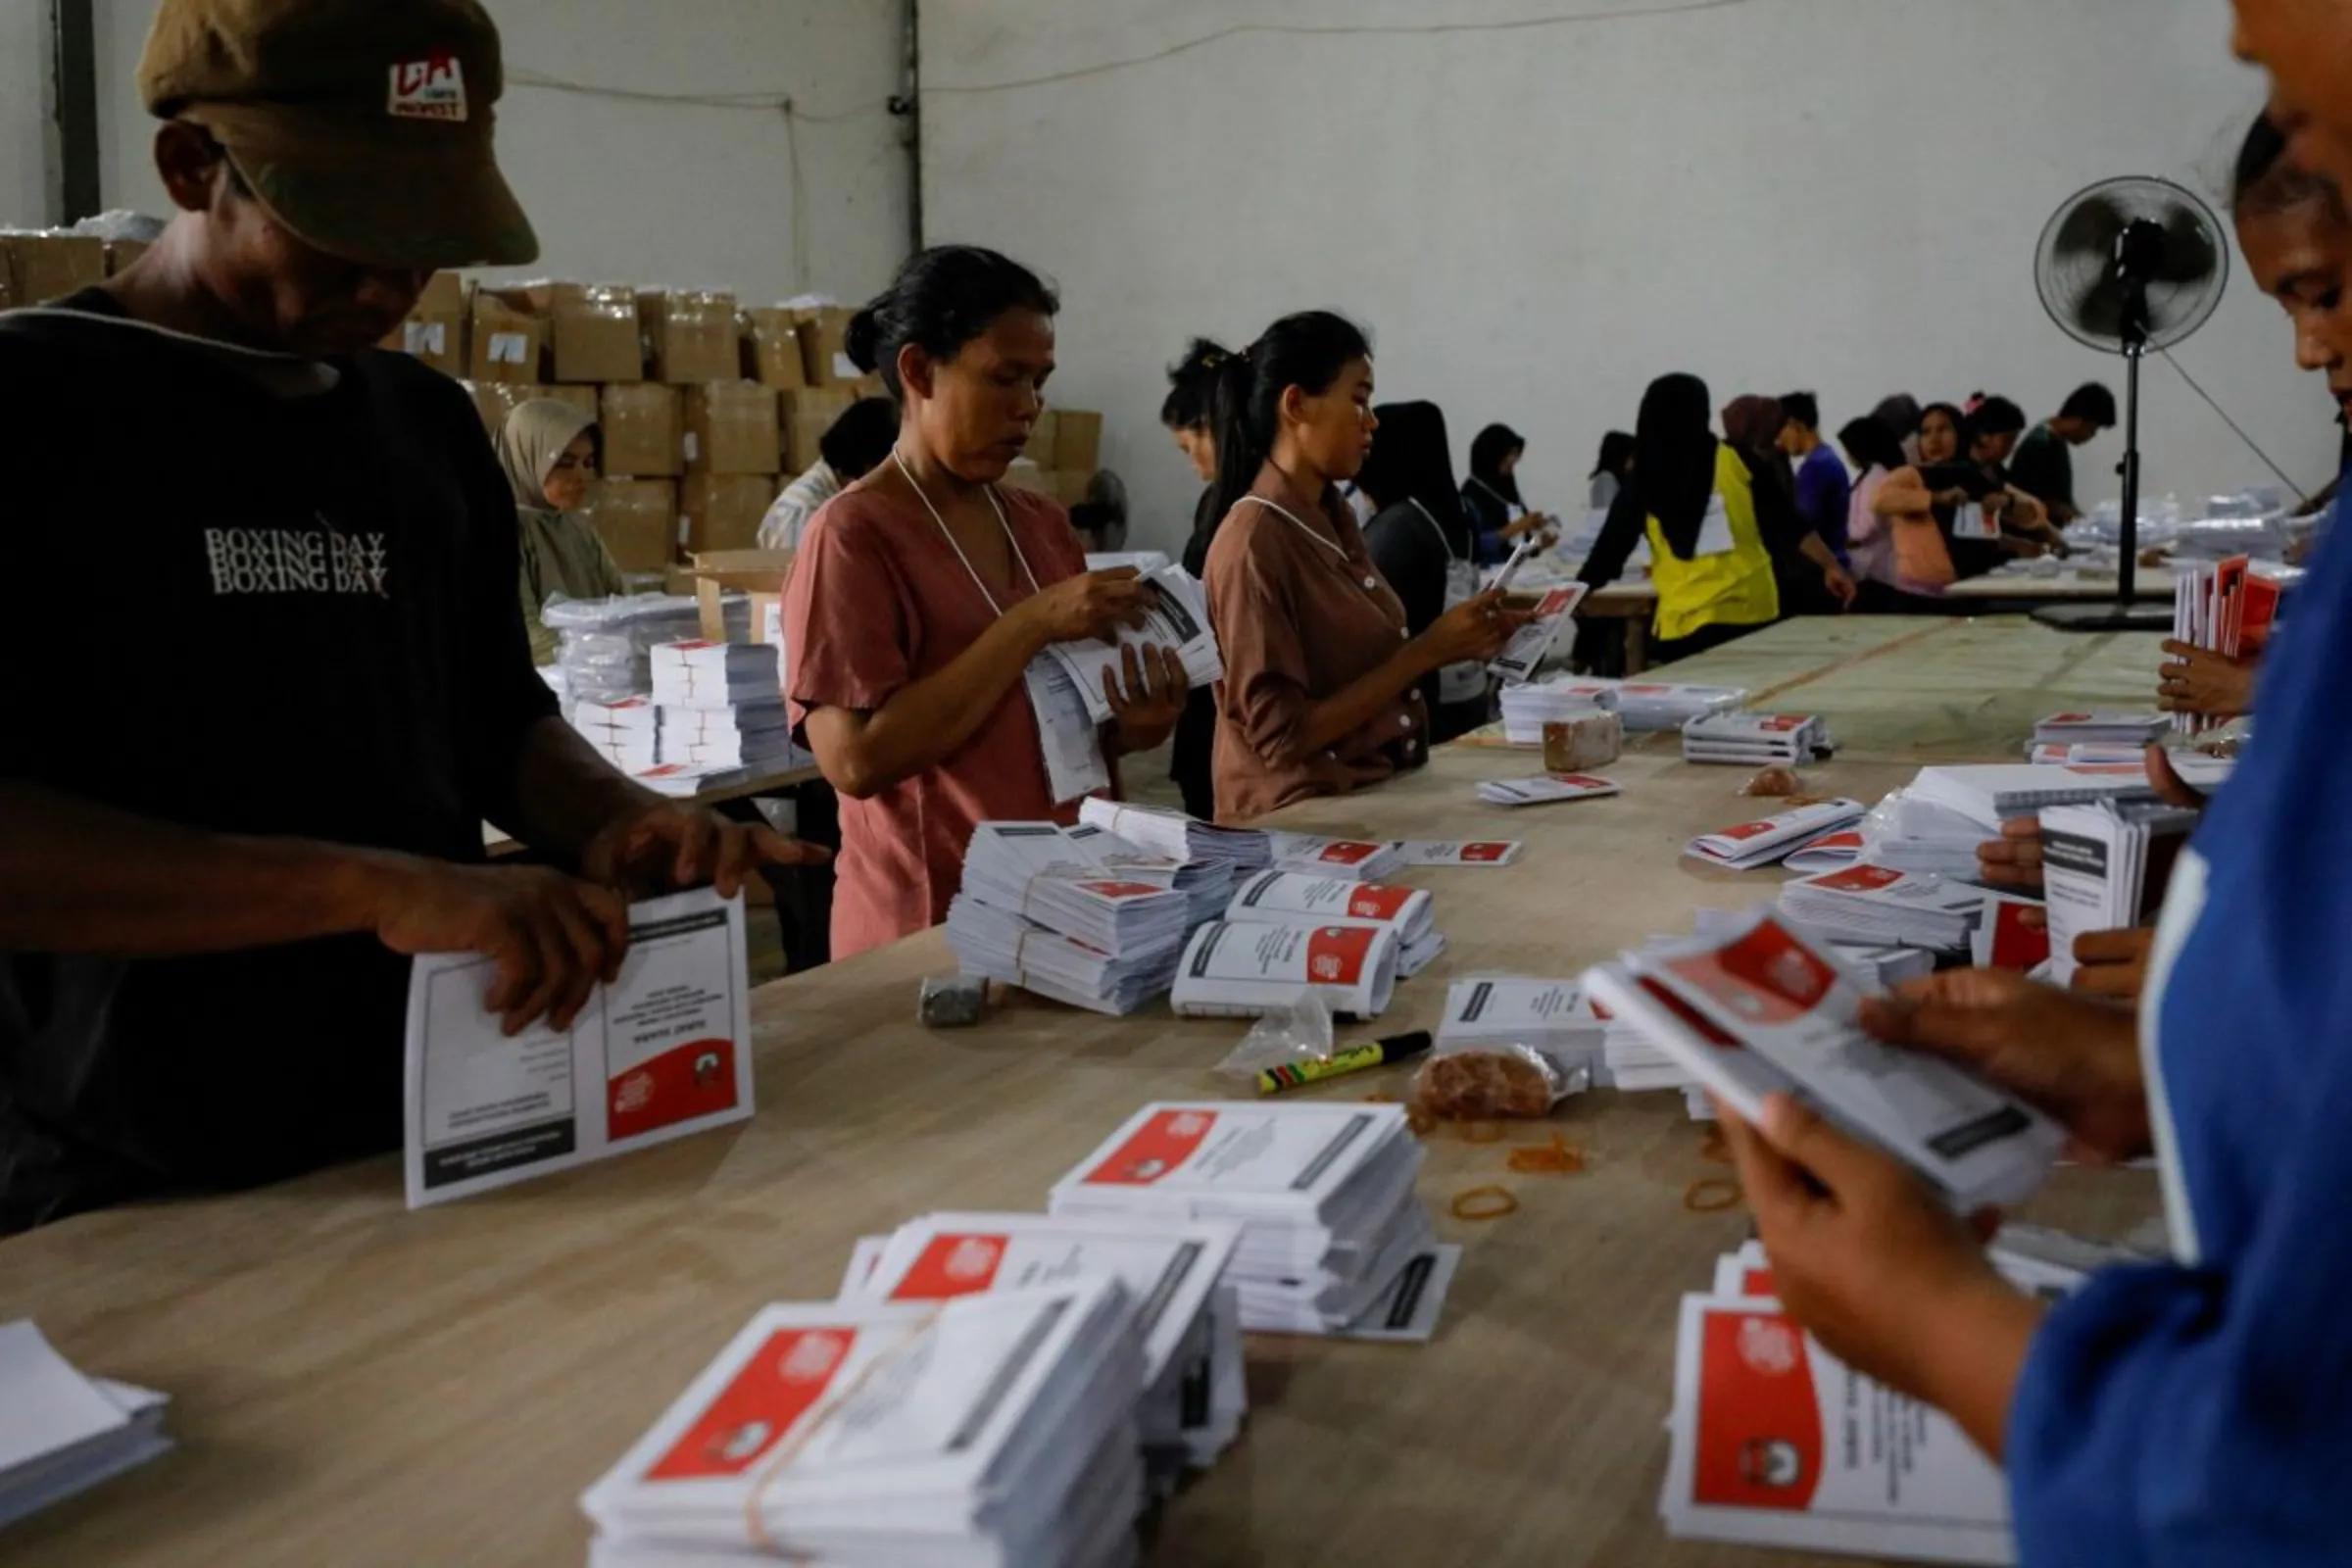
(1555, 1158)
(1712, 1186)
(1484, 1202)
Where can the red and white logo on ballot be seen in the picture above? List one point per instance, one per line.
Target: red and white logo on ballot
(1347, 852)
(778, 1386)
(951, 1266)
(1858, 879)
(1370, 902)
(1336, 956)
(1122, 891)
(1765, 976)
(431, 88)
(1484, 854)
(1158, 1147)
(1759, 1442)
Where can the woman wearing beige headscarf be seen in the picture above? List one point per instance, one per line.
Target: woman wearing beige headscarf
(549, 449)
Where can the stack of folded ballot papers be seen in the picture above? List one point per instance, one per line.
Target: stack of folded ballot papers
(1990, 795)
(2105, 867)
(1840, 847)
(2060, 755)
(752, 735)
(1911, 834)
(1194, 1395)
(626, 732)
(1545, 789)
(61, 1433)
(1650, 706)
(994, 945)
(1175, 616)
(703, 674)
(1774, 838)
(1868, 903)
(1177, 836)
(1038, 910)
(1764, 1011)
(1525, 710)
(994, 1429)
(1323, 1194)
(1350, 859)
(1755, 739)
(1242, 970)
(1551, 1017)
(2131, 730)
(1880, 965)
(1291, 898)
(1206, 884)
(685, 780)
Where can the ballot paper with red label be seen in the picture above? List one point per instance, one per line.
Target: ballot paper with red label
(1833, 851)
(1531, 643)
(1763, 1011)
(2015, 935)
(1744, 1274)
(1194, 1396)
(1246, 970)
(1172, 833)
(2128, 731)
(1449, 853)
(1175, 618)
(1868, 903)
(1648, 706)
(1760, 842)
(1352, 859)
(997, 945)
(1755, 739)
(1287, 898)
(1549, 1017)
(1545, 789)
(660, 1053)
(994, 1428)
(1990, 795)
(2057, 755)
(715, 676)
(1777, 1443)
(1323, 1193)
(2105, 867)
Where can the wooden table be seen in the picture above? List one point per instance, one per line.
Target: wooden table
(358, 1385)
(2153, 585)
(497, 844)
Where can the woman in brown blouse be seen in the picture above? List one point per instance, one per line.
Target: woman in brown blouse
(1322, 689)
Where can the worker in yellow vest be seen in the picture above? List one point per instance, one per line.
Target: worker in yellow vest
(1712, 528)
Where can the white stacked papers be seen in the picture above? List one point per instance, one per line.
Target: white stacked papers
(1649, 705)
(1841, 846)
(1349, 859)
(1763, 1012)
(1287, 898)
(1880, 966)
(1456, 853)
(1551, 1017)
(625, 733)
(1545, 789)
(1988, 796)
(2104, 867)
(1175, 616)
(2126, 730)
(701, 674)
(1761, 842)
(994, 1429)
(1774, 1442)
(2057, 755)
(1531, 643)
(1755, 739)
(1527, 708)
(1034, 870)
(1245, 971)
(1911, 834)
(1193, 1396)
(997, 945)
(755, 735)
(1176, 835)
(1323, 1193)
(2228, 609)
(684, 780)
(1206, 884)
(1869, 903)
(61, 1433)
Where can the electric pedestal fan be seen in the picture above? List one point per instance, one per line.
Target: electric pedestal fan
(2129, 267)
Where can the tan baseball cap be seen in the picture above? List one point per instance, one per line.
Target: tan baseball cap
(363, 125)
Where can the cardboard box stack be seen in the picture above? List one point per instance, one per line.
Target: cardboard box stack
(592, 332)
(506, 339)
(807, 413)
(644, 432)
(771, 346)
(638, 520)
(439, 328)
(825, 356)
(731, 428)
(37, 267)
(689, 335)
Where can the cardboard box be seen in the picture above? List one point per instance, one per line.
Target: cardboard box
(438, 328)
(592, 331)
(771, 348)
(587, 399)
(689, 336)
(723, 511)
(643, 427)
(121, 254)
(731, 428)
(825, 357)
(761, 573)
(1077, 440)
(638, 520)
(1065, 486)
(47, 266)
(807, 414)
(496, 400)
(1042, 437)
(507, 341)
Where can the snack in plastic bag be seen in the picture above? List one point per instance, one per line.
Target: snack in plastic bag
(1580, 745)
(1489, 1082)
(1773, 783)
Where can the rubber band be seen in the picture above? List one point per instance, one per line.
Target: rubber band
(796, 1438)
(1484, 1202)
(1555, 1158)
(1484, 1132)
(1712, 1195)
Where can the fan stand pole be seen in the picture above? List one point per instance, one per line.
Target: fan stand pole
(2127, 569)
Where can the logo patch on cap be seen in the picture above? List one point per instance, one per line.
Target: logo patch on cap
(433, 88)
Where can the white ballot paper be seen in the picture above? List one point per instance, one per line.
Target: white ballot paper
(1245, 970)
(1454, 853)
(1545, 789)
(1760, 1011)
(61, 1433)
(1175, 616)
(1760, 842)
(1066, 730)
(662, 1051)
(1775, 1443)
(1531, 645)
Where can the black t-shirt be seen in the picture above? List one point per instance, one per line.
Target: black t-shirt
(243, 607)
(2043, 468)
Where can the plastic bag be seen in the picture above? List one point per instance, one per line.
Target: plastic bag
(606, 645)
(1289, 1037)
(1492, 1082)
(1777, 782)
(1584, 743)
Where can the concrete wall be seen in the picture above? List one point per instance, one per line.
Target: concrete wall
(27, 180)
(1841, 195)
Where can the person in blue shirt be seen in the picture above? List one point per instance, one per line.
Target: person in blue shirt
(2197, 1410)
(1825, 491)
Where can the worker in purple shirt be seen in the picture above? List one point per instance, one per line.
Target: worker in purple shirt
(1824, 490)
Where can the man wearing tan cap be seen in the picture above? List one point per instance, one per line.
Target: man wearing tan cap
(267, 675)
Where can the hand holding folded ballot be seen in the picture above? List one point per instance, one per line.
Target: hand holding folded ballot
(553, 937)
(1151, 699)
(1473, 631)
(2014, 860)
(1093, 603)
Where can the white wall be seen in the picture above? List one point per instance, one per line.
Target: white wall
(1841, 195)
(629, 191)
(25, 132)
